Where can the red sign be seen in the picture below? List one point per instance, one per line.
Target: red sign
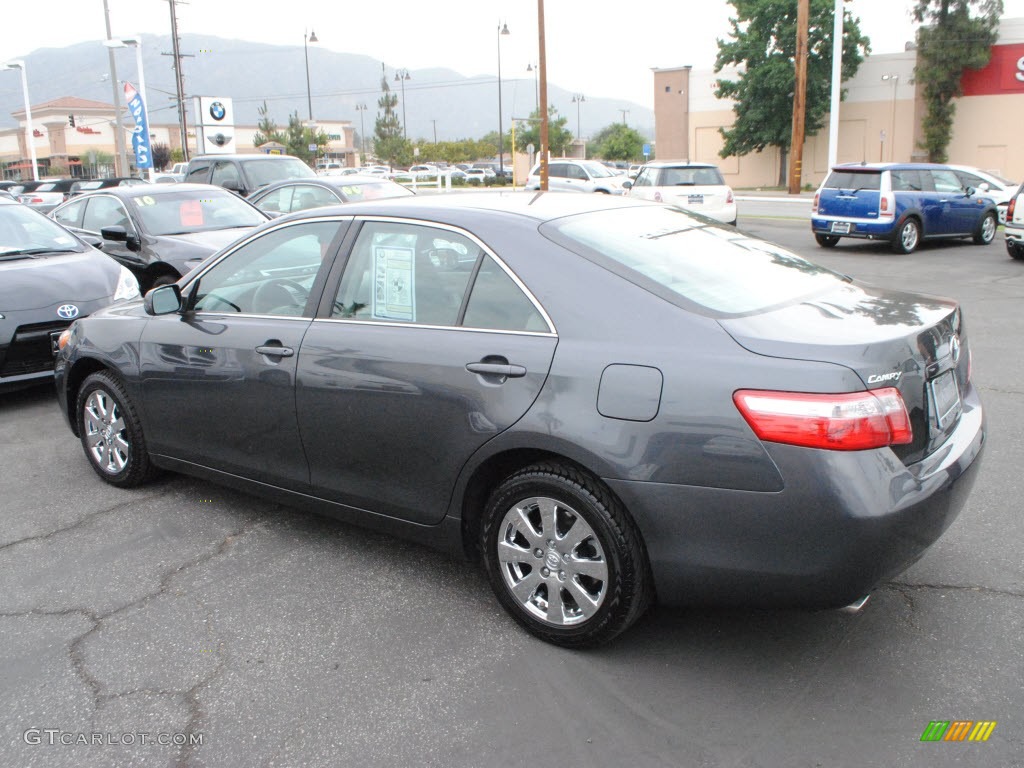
(1003, 74)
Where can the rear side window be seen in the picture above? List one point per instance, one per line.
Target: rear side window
(198, 172)
(907, 181)
(854, 180)
(677, 256)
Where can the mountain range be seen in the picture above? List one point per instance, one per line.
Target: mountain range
(454, 105)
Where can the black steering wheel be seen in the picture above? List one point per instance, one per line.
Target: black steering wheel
(278, 293)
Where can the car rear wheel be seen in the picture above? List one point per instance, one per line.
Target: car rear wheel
(1016, 250)
(986, 232)
(110, 432)
(827, 241)
(907, 236)
(563, 556)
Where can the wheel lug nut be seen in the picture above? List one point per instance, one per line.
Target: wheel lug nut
(545, 572)
(565, 557)
(561, 575)
(551, 543)
(538, 552)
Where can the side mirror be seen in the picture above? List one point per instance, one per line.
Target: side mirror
(627, 185)
(235, 186)
(164, 300)
(119, 234)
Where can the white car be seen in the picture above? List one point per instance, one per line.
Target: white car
(696, 187)
(990, 184)
(479, 175)
(566, 175)
(424, 171)
(1015, 225)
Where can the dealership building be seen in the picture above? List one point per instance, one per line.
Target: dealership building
(880, 119)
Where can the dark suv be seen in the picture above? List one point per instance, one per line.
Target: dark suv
(902, 203)
(245, 174)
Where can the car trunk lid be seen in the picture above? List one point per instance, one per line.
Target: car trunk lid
(914, 343)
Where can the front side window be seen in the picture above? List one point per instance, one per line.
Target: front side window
(277, 200)
(645, 178)
(946, 181)
(225, 174)
(104, 211)
(308, 196)
(198, 172)
(70, 215)
(270, 275)
(263, 172)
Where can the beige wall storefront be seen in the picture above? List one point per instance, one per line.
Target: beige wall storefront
(880, 119)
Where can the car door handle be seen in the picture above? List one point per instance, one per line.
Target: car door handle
(497, 369)
(275, 350)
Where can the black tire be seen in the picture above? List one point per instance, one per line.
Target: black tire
(608, 546)
(103, 404)
(1016, 250)
(164, 279)
(826, 241)
(907, 236)
(986, 231)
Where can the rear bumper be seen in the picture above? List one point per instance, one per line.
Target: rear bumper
(1014, 234)
(844, 522)
(872, 230)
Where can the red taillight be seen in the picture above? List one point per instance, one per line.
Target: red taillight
(853, 421)
(31, 199)
(815, 208)
(1009, 210)
(887, 205)
(729, 198)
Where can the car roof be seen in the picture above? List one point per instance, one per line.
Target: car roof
(887, 166)
(245, 156)
(677, 164)
(141, 190)
(540, 206)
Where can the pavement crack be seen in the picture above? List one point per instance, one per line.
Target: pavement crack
(904, 585)
(1001, 391)
(79, 523)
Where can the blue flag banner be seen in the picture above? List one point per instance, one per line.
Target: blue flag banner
(140, 139)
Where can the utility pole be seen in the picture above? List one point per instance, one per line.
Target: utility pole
(796, 144)
(543, 58)
(179, 76)
(624, 113)
(122, 154)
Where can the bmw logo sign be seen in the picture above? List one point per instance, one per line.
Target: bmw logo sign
(67, 311)
(217, 111)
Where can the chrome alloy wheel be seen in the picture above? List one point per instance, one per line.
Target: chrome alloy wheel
(909, 235)
(988, 229)
(552, 562)
(105, 432)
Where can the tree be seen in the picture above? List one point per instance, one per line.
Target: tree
(763, 45)
(389, 144)
(161, 156)
(616, 142)
(266, 129)
(950, 42)
(298, 137)
(559, 137)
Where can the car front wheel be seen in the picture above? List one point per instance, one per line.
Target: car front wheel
(110, 432)
(986, 232)
(907, 236)
(563, 556)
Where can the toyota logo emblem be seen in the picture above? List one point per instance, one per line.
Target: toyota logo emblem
(67, 311)
(217, 111)
(954, 349)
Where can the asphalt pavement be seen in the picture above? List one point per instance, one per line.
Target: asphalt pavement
(243, 633)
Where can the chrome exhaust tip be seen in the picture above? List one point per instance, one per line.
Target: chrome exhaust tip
(856, 606)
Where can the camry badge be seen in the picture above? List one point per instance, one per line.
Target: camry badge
(67, 311)
(954, 349)
(878, 378)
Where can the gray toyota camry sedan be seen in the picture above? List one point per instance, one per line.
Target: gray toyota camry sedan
(606, 402)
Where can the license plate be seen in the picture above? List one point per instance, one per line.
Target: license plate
(841, 227)
(945, 398)
(695, 199)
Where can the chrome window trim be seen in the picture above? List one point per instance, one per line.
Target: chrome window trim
(462, 328)
(552, 331)
(127, 214)
(201, 313)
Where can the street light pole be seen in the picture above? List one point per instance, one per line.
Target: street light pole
(306, 40)
(502, 30)
(118, 131)
(578, 99)
(30, 138)
(361, 108)
(401, 75)
(895, 79)
(136, 43)
(536, 83)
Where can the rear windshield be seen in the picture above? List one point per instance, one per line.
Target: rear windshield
(690, 177)
(854, 180)
(676, 255)
(197, 210)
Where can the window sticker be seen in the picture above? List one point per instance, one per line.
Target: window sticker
(190, 212)
(146, 200)
(394, 283)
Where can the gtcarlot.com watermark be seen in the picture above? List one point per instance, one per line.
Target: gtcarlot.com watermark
(55, 736)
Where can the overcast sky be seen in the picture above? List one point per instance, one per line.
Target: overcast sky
(597, 47)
